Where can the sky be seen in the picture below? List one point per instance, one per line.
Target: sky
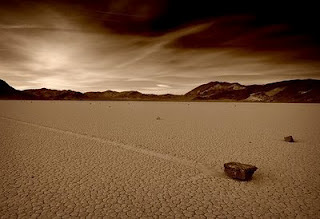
(155, 46)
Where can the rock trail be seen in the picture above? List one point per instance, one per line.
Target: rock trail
(128, 147)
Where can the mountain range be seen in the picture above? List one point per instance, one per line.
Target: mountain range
(292, 91)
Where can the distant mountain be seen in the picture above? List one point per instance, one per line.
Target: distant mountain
(8, 92)
(129, 95)
(304, 91)
(218, 90)
(114, 95)
(48, 94)
(307, 91)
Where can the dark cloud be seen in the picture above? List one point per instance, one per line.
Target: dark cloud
(159, 15)
(241, 32)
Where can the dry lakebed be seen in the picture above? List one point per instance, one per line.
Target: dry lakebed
(157, 159)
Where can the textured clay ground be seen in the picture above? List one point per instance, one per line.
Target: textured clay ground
(116, 159)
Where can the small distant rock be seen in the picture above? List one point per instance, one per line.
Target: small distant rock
(158, 118)
(289, 139)
(239, 171)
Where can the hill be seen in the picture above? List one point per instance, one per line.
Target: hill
(292, 91)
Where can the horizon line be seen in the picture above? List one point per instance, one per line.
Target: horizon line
(287, 80)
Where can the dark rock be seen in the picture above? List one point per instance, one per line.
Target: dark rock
(239, 171)
(158, 118)
(289, 139)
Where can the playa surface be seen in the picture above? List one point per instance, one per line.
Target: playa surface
(116, 159)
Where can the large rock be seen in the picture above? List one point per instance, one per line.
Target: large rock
(239, 171)
(288, 139)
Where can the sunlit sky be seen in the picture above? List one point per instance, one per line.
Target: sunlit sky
(89, 48)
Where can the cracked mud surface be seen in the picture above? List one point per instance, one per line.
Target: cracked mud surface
(75, 159)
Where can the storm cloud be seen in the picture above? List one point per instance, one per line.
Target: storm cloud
(153, 46)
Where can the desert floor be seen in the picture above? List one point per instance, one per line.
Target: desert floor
(115, 159)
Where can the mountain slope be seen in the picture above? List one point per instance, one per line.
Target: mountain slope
(48, 94)
(8, 92)
(304, 91)
(285, 91)
(129, 95)
(218, 90)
